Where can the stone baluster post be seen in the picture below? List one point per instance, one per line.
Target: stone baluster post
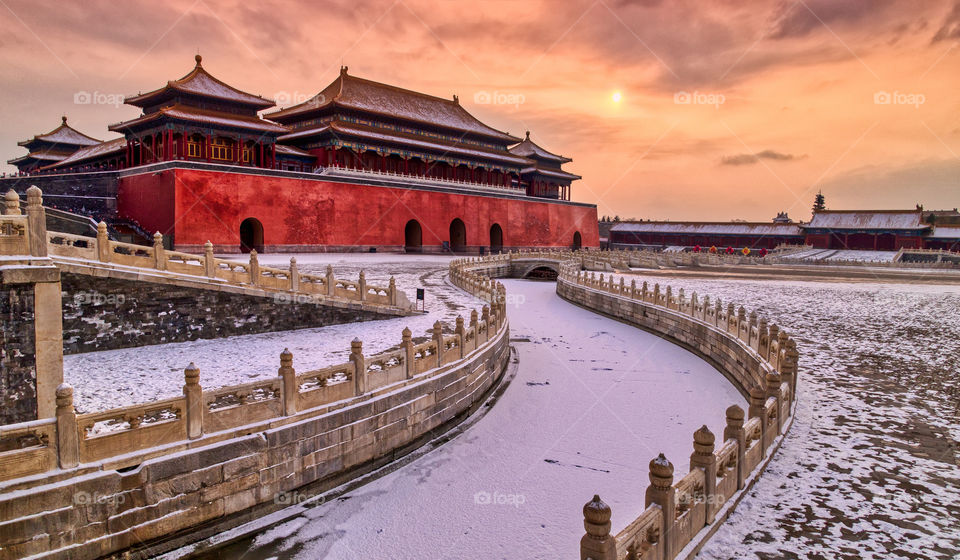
(644, 291)
(773, 390)
(703, 458)
(409, 361)
(656, 294)
(362, 286)
(194, 400)
(159, 253)
(36, 222)
(392, 291)
(360, 367)
(669, 298)
(662, 493)
(209, 261)
(773, 335)
(331, 281)
(461, 334)
(294, 275)
(734, 430)
(474, 323)
(633, 289)
(622, 284)
(792, 360)
(438, 338)
(597, 543)
(693, 306)
(751, 336)
(254, 268)
(11, 203)
(289, 378)
(104, 251)
(68, 438)
(763, 338)
(758, 398)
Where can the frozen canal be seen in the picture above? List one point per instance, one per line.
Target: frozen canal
(593, 401)
(870, 468)
(114, 378)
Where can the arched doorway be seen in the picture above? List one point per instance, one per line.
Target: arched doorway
(413, 237)
(496, 239)
(458, 236)
(577, 243)
(251, 235)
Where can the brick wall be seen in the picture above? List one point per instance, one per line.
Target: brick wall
(109, 313)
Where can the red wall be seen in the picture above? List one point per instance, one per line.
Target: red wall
(321, 214)
(148, 199)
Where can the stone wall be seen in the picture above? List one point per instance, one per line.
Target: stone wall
(145, 478)
(88, 194)
(103, 313)
(18, 378)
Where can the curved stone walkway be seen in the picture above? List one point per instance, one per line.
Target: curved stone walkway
(592, 402)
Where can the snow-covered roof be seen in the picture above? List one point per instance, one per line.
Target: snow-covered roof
(63, 134)
(200, 82)
(350, 92)
(45, 156)
(193, 114)
(558, 173)
(528, 148)
(293, 151)
(708, 228)
(945, 232)
(413, 141)
(867, 219)
(91, 152)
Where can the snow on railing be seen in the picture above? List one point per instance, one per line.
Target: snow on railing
(16, 232)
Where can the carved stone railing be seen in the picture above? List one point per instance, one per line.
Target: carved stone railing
(16, 232)
(759, 359)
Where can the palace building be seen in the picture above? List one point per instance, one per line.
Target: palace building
(360, 166)
(876, 230)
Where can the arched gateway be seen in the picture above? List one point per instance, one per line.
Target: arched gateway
(496, 238)
(251, 235)
(458, 236)
(413, 237)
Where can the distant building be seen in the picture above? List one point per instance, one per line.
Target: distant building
(879, 230)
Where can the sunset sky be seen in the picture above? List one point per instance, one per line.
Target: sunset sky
(727, 110)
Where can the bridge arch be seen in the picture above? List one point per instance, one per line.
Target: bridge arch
(541, 271)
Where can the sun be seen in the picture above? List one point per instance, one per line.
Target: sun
(617, 96)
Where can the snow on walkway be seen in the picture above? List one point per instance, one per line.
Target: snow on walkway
(114, 378)
(593, 401)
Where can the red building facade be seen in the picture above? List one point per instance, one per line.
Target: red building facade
(362, 165)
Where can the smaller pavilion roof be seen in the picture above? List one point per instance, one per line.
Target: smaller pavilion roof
(204, 117)
(709, 228)
(528, 148)
(92, 152)
(63, 134)
(199, 82)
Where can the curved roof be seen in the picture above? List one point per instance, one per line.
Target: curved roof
(203, 116)
(200, 82)
(867, 219)
(63, 134)
(709, 228)
(91, 152)
(350, 92)
(528, 148)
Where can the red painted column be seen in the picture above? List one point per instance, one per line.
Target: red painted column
(207, 148)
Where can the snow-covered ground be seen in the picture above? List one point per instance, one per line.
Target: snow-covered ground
(113, 378)
(593, 401)
(841, 255)
(870, 468)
